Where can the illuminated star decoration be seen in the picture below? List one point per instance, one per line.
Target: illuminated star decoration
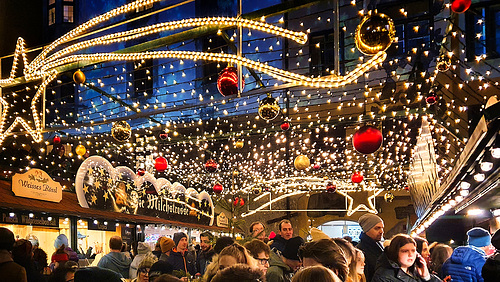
(364, 199)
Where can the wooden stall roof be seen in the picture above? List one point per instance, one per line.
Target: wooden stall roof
(69, 207)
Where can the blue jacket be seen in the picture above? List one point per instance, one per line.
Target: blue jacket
(118, 262)
(465, 264)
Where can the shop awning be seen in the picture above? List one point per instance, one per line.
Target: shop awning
(69, 207)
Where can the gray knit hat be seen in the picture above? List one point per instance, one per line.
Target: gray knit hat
(368, 221)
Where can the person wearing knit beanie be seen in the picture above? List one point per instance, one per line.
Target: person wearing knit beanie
(166, 245)
(177, 239)
(369, 241)
(180, 258)
(478, 237)
(466, 262)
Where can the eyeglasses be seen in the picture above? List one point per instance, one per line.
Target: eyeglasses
(262, 261)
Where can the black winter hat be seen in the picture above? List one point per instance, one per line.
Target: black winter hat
(495, 240)
(160, 267)
(178, 236)
(291, 250)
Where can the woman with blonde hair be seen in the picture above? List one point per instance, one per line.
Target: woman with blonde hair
(315, 274)
(230, 255)
(360, 265)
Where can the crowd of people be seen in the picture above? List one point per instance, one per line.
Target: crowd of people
(280, 258)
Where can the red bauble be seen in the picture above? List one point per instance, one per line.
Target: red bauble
(357, 177)
(331, 188)
(218, 188)
(227, 83)
(367, 139)
(285, 126)
(242, 202)
(211, 165)
(316, 166)
(235, 201)
(407, 188)
(57, 140)
(460, 6)
(431, 99)
(141, 171)
(163, 135)
(161, 164)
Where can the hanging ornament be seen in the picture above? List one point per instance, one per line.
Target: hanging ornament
(460, 6)
(357, 177)
(218, 188)
(316, 166)
(242, 202)
(227, 83)
(257, 190)
(211, 165)
(285, 126)
(236, 201)
(301, 162)
(443, 63)
(431, 97)
(56, 139)
(388, 197)
(161, 164)
(236, 172)
(367, 139)
(331, 188)
(163, 135)
(375, 33)
(141, 172)
(239, 144)
(80, 150)
(79, 77)
(407, 188)
(269, 108)
(121, 131)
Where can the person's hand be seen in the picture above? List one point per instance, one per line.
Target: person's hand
(184, 279)
(421, 266)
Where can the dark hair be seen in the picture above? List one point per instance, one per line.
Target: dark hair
(6, 239)
(283, 221)
(208, 235)
(21, 252)
(59, 274)
(398, 241)
(255, 223)
(327, 253)
(420, 243)
(221, 243)
(256, 246)
(349, 254)
(240, 273)
(439, 255)
(115, 243)
(40, 257)
(315, 274)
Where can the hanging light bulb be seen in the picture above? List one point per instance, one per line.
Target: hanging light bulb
(486, 166)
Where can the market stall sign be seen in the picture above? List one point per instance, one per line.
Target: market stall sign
(25, 219)
(36, 184)
(222, 220)
(101, 225)
(101, 186)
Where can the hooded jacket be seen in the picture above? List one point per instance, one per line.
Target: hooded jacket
(278, 244)
(278, 270)
(118, 262)
(183, 262)
(372, 251)
(465, 264)
(389, 271)
(142, 251)
(491, 269)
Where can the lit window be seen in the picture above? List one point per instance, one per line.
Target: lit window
(52, 16)
(68, 14)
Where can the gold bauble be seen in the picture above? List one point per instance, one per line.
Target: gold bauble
(121, 131)
(301, 162)
(80, 150)
(79, 77)
(388, 197)
(443, 64)
(269, 108)
(374, 33)
(239, 144)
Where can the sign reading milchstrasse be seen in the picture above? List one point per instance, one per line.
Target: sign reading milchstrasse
(36, 184)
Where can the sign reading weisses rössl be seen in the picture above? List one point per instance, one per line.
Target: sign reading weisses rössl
(36, 184)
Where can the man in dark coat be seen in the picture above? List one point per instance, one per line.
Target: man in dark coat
(10, 270)
(369, 243)
(284, 234)
(206, 252)
(180, 258)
